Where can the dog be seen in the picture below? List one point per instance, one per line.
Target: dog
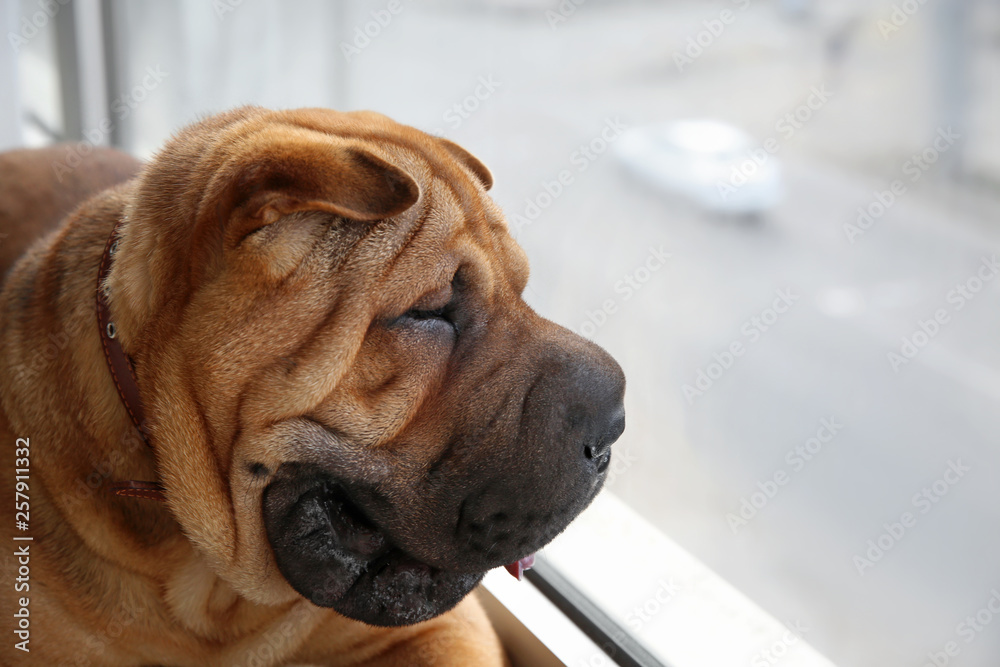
(275, 398)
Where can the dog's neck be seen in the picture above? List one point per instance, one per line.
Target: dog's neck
(121, 370)
(61, 396)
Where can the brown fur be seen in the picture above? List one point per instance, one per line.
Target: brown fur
(255, 289)
(36, 199)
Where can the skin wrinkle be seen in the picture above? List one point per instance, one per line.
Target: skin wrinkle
(309, 342)
(279, 362)
(223, 466)
(501, 364)
(448, 450)
(295, 275)
(290, 361)
(389, 381)
(202, 416)
(454, 442)
(527, 395)
(237, 429)
(143, 343)
(467, 201)
(411, 233)
(500, 410)
(246, 492)
(342, 441)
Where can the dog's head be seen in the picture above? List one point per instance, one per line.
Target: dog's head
(341, 376)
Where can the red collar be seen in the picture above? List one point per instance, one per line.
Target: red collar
(122, 372)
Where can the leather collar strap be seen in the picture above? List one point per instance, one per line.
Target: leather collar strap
(122, 373)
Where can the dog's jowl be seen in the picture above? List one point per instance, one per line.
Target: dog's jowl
(299, 408)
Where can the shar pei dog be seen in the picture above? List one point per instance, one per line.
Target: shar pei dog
(274, 397)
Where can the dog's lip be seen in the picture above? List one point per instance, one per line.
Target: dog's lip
(346, 519)
(374, 542)
(372, 580)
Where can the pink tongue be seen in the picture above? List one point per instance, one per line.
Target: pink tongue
(517, 569)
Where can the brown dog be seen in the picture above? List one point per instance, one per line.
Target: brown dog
(351, 412)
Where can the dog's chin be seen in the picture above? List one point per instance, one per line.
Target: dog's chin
(335, 557)
(399, 590)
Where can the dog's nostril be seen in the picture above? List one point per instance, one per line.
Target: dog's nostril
(598, 453)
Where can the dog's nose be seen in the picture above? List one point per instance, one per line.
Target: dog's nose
(599, 451)
(594, 387)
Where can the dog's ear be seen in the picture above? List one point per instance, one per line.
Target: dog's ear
(470, 161)
(286, 172)
(351, 183)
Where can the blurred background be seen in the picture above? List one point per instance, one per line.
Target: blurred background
(781, 217)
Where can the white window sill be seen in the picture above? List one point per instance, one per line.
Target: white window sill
(682, 612)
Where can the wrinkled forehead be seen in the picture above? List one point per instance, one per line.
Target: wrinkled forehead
(455, 222)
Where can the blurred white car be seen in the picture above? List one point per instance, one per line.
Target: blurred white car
(714, 164)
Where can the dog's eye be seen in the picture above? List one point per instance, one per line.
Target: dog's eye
(438, 308)
(438, 304)
(443, 313)
(441, 318)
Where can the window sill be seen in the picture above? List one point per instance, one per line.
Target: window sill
(681, 611)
